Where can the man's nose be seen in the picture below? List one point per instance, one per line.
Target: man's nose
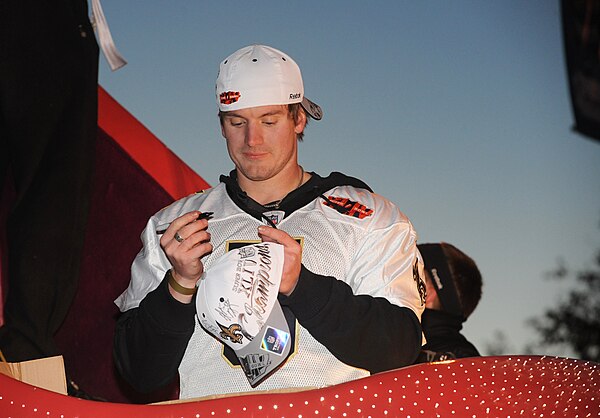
(253, 134)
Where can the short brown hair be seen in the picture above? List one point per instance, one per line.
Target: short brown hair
(466, 276)
(293, 110)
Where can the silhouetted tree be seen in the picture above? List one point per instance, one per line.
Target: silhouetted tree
(575, 320)
(498, 345)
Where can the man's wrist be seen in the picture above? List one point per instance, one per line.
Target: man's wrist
(182, 290)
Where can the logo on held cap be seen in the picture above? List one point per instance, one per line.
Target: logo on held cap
(232, 333)
(274, 340)
(229, 97)
(255, 365)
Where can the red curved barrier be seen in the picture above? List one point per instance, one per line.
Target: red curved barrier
(486, 386)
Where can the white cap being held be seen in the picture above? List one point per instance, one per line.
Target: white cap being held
(237, 303)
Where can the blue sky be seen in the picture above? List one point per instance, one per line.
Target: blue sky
(458, 112)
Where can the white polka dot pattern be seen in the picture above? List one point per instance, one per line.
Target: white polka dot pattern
(503, 386)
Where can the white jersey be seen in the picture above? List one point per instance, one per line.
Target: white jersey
(371, 247)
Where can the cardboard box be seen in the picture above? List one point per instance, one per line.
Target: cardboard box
(46, 373)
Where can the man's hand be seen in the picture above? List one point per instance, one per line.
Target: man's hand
(292, 255)
(185, 242)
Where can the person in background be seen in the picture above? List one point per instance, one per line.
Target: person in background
(453, 292)
(48, 129)
(351, 290)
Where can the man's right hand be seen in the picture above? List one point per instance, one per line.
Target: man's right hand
(185, 242)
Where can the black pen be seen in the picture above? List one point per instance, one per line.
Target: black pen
(203, 215)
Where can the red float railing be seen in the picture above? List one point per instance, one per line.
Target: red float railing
(503, 386)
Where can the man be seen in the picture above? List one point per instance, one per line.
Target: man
(351, 287)
(453, 292)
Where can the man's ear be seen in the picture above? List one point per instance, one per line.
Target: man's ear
(300, 121)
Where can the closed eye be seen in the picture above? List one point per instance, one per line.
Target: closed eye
(270, 121)
(237, 122)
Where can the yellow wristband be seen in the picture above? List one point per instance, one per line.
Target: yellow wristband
(179, 288)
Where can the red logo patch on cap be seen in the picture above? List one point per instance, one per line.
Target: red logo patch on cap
(229, 97)
(348, 207)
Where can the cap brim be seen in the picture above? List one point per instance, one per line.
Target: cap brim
(268, 350)
(313, 109)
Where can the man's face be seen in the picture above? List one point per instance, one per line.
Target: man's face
(261, 141)
(432, 301)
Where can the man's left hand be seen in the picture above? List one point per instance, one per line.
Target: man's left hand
(292, 256)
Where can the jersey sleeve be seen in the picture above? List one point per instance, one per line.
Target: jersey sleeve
(389, 265)
(150, 340)
(147, 269)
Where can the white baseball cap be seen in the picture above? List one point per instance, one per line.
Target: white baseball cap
(237, 303)
(258, 75)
